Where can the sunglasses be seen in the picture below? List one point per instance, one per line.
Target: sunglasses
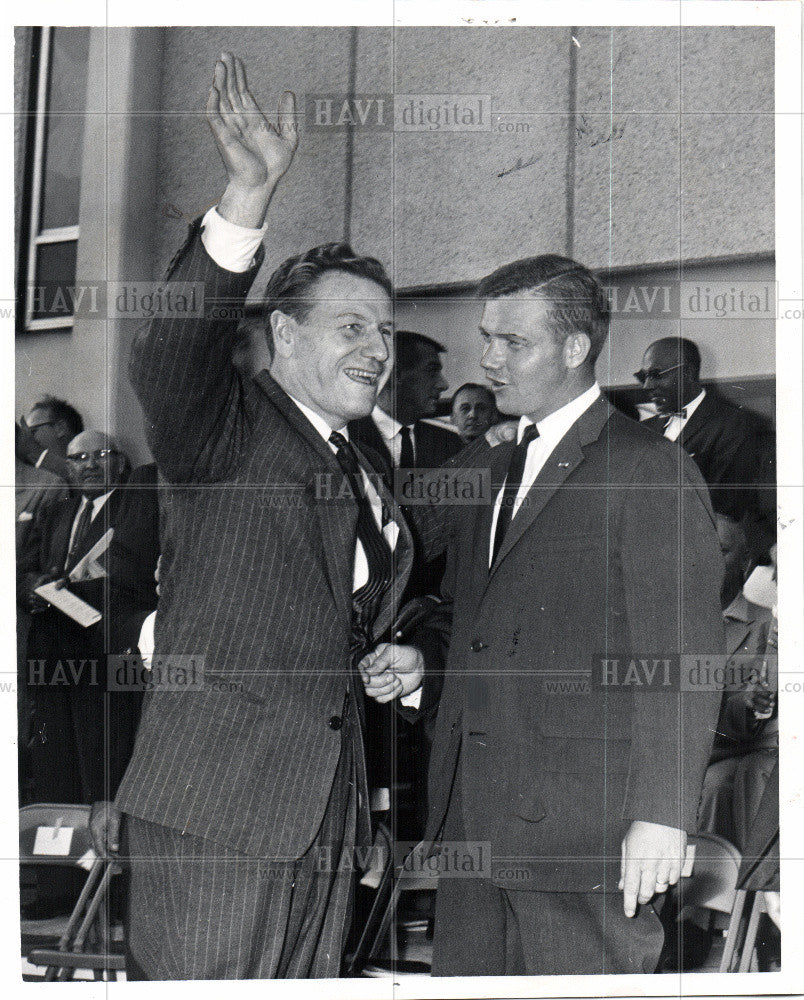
(84, 456)
(644, 374)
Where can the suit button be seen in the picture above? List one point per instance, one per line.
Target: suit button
(335, 722)
(476, 645)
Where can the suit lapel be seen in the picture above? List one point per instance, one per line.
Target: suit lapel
(696, 422)
(560, 465)
(338, 520)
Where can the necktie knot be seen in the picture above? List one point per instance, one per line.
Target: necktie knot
(530, 433)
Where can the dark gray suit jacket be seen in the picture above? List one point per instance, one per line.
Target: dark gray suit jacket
(613, 555)
(258, 588)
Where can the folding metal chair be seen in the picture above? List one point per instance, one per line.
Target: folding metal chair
(713, 886)
(368, 959)
(58, 835)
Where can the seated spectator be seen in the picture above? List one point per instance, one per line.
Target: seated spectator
(65, 760)
(474, 410)
(52, 424)
(745, 748)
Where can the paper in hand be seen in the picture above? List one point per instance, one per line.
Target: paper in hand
(66, 601)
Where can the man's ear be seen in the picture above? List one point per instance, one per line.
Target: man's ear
(283, 330)
(576, 350)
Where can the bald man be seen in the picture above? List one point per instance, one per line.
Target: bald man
(65, 760)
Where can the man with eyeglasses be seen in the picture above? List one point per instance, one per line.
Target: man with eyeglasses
(723, 439)
(45, 431)
(66, 756)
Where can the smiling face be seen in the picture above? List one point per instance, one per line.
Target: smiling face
(670, 385)
(333, 359)
(95, 464)
(522, 358)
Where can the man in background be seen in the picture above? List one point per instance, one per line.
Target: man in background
(724, 440)
(396, 428)
(474, 410)
(48, 428)
(65, 757)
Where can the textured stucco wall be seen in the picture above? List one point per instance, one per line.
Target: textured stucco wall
(447, 206)
(673, 163)
(309, 207)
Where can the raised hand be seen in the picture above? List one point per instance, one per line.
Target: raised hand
(255, 152)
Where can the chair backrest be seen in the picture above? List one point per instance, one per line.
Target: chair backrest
(713, 882)
(53, 834)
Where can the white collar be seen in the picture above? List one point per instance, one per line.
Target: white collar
(318, 421)
(693, 404)
(387, 425)
(97, 502)
(555, 425)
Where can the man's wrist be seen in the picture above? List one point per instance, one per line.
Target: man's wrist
(246, 207)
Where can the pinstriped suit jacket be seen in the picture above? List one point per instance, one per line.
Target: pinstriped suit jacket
(259, 585)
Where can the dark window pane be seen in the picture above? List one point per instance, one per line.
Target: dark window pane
(55, 280)
(64, 127)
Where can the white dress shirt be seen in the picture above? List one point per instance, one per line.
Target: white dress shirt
(675, 425)
(390, 431)
(97, 504)
(390, 531)
(552, 429)
(231, 247)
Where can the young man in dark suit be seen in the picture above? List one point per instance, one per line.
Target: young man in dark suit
(246, 794)
(598, 548)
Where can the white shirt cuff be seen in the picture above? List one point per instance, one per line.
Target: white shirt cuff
(231, 247)
(41, 458)
(145, 643)
(412, 700)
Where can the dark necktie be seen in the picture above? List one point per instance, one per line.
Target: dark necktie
(406, 459)
(511, 487)
(81, 528)
(366, 600)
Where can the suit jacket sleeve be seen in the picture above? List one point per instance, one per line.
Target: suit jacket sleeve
(672, 568)
(182, 372)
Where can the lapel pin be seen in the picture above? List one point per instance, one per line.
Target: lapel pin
(563, 465)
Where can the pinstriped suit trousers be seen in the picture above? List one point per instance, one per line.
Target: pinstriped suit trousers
(198, 910)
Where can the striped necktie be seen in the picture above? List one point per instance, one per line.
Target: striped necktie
(366, 600)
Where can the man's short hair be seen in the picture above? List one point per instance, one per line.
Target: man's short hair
(685, 350)
(408, 347)
(59, 409)
(289, 285)
(473, 385)
(580, 302)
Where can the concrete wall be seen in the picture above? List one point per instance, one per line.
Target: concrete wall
(615, 156)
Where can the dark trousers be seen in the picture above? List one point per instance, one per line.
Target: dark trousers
(484, 930)
(198, 910)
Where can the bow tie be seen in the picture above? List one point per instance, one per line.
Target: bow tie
(676, 413)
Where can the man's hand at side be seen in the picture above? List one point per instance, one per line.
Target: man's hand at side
(652, 859)
(104, 828)
(255, 152)
(391, 671)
